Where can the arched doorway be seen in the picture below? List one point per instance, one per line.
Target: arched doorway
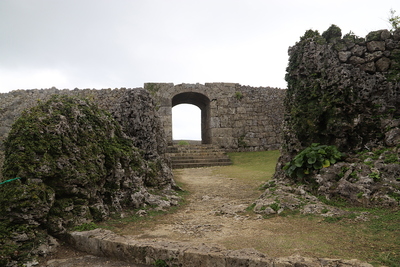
(202, 102)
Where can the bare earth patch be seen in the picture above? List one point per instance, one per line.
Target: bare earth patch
(216, 213)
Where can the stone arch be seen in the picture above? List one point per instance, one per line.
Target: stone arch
(234, 117)
(202, 102)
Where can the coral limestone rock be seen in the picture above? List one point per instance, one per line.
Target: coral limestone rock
(76, 165)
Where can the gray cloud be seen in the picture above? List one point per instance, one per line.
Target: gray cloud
(125, 43)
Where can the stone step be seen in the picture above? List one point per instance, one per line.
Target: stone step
(199, 165)
(193, 150)
(104, 243)
(209, 160)
(194, 156)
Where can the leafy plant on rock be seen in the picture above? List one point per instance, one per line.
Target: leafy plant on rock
(238, 95)
(314, 157)
(394, 20)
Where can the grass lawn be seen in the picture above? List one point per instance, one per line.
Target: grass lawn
(259, 165)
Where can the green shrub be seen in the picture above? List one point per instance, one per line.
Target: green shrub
(311, 34)
(241, 141)
(394, 20)
(238, 95)
(332, 33)
(314, 157)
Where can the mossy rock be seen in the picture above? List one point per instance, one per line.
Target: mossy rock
(75, 166)
(332, 103)
(332, 34)
(23, 207)
(374, 36)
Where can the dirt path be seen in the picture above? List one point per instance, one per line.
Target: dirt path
(215, 209)
(216, 213)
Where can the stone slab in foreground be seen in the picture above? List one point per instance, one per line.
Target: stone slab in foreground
(104, 243)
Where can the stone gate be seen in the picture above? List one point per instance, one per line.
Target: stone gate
(233, 117)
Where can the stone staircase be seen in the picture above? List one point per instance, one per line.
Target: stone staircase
(194, 156)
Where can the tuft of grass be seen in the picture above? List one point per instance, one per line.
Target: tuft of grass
(251, 207)
(340, 203)
(332, 219)
(259, 165)
(85, 227)
(183, 143)
(160, 263)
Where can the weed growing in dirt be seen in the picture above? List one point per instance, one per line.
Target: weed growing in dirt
(86, 227)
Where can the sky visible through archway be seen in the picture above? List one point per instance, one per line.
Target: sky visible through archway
(186, 122)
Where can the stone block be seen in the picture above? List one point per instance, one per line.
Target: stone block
(344, 55)
(373, 56)
(356, 60)
(376, 46)
(369, 67)
(382, 64)
(215, 122)
(358, 50)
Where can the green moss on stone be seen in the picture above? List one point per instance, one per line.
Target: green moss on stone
(374, 36)
(67, 152)
(393, 74)
(332, 34)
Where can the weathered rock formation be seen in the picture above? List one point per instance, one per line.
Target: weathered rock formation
(343, 92)
(339, 92)
(136, 102)
(76, 165)
(138, 116)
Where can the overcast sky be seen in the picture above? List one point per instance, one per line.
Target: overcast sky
(125, 43)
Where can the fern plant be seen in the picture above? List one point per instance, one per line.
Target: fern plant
(314, 157)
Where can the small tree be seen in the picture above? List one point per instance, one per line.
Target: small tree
(394, 20)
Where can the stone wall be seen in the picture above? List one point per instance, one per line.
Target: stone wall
(133, 108)
(234, 117)
(343, 91)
